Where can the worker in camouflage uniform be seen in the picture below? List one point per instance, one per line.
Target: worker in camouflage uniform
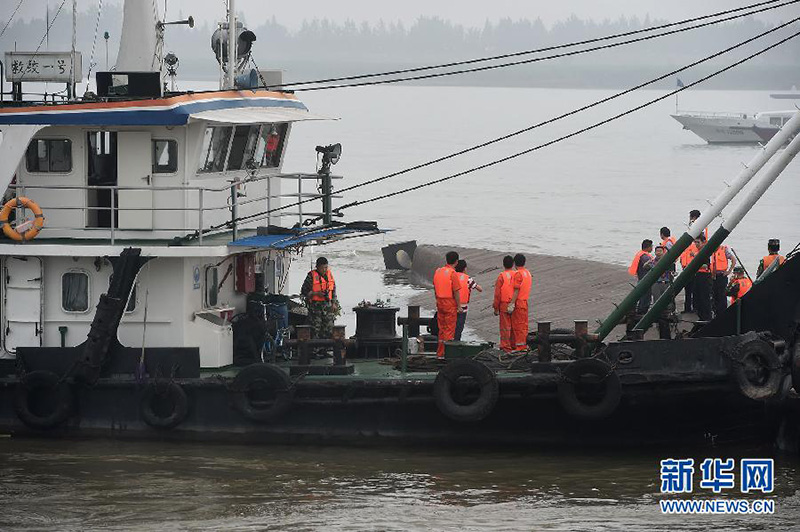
(319, 291)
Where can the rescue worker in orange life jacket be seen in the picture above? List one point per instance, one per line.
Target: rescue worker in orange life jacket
(774, 247)
(702, 283)
(319, 291)
(467, 285)
(667, 240)
(503, 295)
(739, 285)
(641, 264)
(685, 259)
(722, 263)
(448, 301)
(523, 281)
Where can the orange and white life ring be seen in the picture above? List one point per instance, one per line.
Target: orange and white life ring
(13, 233)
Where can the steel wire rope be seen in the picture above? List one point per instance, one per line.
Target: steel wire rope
(496, 140)
(535, 51)
(574, 133)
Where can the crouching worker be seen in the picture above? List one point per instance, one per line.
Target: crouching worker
(739, 285)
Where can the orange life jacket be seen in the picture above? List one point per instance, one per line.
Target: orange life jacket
(525, 284)
(634, 267)
(670, 239)
(769, 259)
(443, 282)
(745, 285)
(464, 293)
(719, 260)
(688, 254)
(506, 283)
(323, 284)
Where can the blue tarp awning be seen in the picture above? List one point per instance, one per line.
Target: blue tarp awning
(307, 237)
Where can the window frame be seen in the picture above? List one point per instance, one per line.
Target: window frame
(206, 270)
(201, 168)
(170, 142)
(88, 290)
(47, 141)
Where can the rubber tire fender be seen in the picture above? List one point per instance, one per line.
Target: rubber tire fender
(443, 390)
(173, 391)
(796, 364)
(275, 379)
(567, 389)
(43, 380)
(769, 358)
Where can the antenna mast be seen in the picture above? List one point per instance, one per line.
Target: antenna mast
(230, 75)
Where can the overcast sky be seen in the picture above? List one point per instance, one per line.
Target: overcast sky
(467, 12)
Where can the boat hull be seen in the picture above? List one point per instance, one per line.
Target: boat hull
(696, 414)
(725, 130)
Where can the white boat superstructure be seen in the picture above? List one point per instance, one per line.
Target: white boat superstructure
(190, 179)
(734, 128)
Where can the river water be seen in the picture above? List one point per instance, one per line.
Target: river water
(595, 196)
(147, 486)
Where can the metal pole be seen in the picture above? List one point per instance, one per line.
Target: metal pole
(404, 355)
(740, 263)
(231, 73)
(725, 197)
(764, 182)
(113, 208)
(71, 91)
(200, 215)
(327, 207)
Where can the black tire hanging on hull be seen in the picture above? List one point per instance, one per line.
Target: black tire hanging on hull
(796, 364)
(164, 405)
(262, 392)
(452, 385)
(757, 370)
(43, 400)
(578, 377)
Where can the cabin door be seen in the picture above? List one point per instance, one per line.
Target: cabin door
(135, 169)
(22, 303)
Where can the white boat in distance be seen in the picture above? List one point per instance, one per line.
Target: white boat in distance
(793, 94)
(734, 128)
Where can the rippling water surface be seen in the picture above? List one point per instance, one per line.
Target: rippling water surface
(111, 485)
(595, 196)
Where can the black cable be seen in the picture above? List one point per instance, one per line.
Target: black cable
(47, 31)
(529, 52)
(11, 17)
(574, 133)
(540, 59)
(518, 132)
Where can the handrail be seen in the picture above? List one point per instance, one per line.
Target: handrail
(232, 203)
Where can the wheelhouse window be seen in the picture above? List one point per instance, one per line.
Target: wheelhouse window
(215, 149)
(270, 145)
(165, 156)
(243, 147)
(75, 291)
(211, 293)
(49, 155)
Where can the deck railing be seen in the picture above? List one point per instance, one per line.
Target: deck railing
(206, 205)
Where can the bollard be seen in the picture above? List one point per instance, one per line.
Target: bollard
(404, 351)
(303, 351)
(413, 319)
(543, 345)
(339, 348)
(581, 328)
